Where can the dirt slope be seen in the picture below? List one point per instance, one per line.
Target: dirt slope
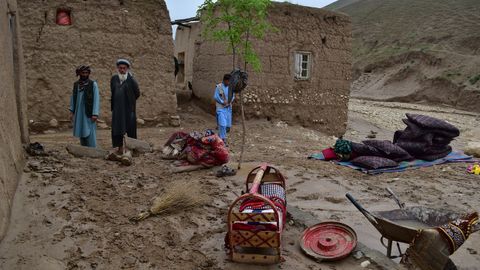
(416, 50)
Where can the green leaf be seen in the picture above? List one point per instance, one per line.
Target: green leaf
(235, 23)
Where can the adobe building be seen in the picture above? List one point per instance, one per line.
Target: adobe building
(13, 120)
(188, 31)
(60, 35)
(306, 68)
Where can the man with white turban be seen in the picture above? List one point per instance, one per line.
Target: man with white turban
(125, 92)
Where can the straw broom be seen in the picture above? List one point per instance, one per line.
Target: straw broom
(177, 198)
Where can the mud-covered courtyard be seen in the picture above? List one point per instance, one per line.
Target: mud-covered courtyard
(72, 213)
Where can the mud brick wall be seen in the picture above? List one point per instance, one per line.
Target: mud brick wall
(101, 32)
(320, 102)
(13, 127)
(185, 44)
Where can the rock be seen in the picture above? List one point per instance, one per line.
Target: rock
(34, 165)
(140, 121)
(472, 251)
(102, 125)
(130, 260)
(473, 149)
(83, 151)
(281, 124)
(175, 121)
(358, 255)
(365, 264)
(53, 123)
(49, 131)
(138, 145)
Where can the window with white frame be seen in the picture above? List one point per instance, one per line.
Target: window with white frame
(303, 65)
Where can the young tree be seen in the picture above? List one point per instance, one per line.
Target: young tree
(236, 23)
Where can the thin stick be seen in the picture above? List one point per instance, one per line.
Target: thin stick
(244, 129)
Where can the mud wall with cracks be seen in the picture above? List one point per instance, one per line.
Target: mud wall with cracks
(99, 34)
(321, 102)
(13, 120)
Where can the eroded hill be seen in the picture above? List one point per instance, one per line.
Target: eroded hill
(416, 51)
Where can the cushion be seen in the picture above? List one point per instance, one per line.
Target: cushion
(372, 162)
(434, 123)
(361, 149)
(389, 150)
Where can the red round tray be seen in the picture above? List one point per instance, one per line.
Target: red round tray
(328, 241)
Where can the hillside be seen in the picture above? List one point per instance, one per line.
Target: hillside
(412, 50)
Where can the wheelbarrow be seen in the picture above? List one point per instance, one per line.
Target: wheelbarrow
(401, 225)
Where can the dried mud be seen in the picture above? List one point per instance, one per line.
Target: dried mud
(74, 214)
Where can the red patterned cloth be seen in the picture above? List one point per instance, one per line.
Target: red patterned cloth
(457, 231)
(208, 151)
(198, 148)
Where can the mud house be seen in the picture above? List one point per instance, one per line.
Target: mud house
(306, 73)
(13, 122)
(60, 35)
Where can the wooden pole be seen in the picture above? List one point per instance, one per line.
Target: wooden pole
(244, 129)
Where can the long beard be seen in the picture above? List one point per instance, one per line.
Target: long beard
(123, 77)
(83, 78)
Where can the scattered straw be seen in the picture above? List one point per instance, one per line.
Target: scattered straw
(180, 196)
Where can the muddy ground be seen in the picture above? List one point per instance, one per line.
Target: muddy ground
(72, 213)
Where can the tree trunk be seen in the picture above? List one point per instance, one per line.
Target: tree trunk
(244, 131)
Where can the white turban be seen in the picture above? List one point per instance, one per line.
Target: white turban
(123, 61)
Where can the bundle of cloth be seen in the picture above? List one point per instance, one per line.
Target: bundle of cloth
(425, 138)
(196, 148)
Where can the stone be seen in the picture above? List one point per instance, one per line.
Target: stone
(358, 255)
(140, 121)
(473, 149)
(34, 165)
(365, 264)
(138, 145)
(49, 131)
(281, 124)
(83, 151)
(175, 121)
(53, 123)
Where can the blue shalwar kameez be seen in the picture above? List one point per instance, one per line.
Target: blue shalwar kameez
(83, 127)
(224, 113)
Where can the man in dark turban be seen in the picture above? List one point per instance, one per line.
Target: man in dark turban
(85, 107)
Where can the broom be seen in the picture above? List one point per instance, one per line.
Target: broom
(178, 197)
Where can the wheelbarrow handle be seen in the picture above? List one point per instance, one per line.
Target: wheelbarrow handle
(360, 208)
(395, 197)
